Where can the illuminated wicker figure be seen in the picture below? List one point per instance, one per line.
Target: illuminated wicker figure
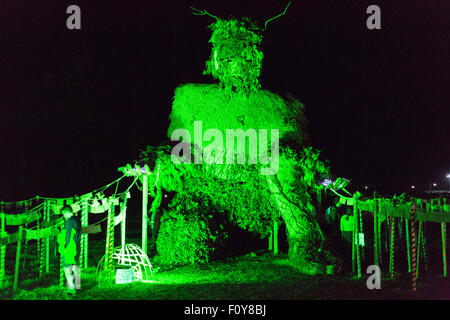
(238, 105)
(132, 256)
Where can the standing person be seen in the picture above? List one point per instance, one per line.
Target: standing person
(69, 242)
(346, 226)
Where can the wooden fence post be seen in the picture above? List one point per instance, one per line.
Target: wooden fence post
(275, 237)
(144, 212)
(444, 247)
(392, 248)
(418, 248)
(84, 237)
(40, 242)
(375, 236)
(61, 271)
(353, 241)
(110, 244)
(380, 245)
(408, 249)
(2, 247)
(47, 239)
(424, 248)
(123, 210)
(413, 248)
(356, 235)
(361, 231)
(123, 224)
(25, 247)
(16, 270)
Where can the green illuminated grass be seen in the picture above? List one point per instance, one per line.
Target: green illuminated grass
(258, 276)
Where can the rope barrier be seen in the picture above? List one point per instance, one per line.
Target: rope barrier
(45, 210)
(50, 198)
(358, 207)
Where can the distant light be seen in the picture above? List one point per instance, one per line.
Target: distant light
(434, 184)
(366, 187)
(412, 187)
(448, 176)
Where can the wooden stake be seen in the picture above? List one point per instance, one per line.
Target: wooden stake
(2, 248)
(16, 270)
(444, 247)
(41, 245)
(392, 248)
(413, 249)
(61, 271)
(275, 237)
(353, 244)
(25, 247)
(386, 230)
(123, 224)
(144, 212)
(84, 237)
(110, 244)
(361, 230)
(408, 250)
(375, 237)
(47, 239)
(123, 209)
(424, 249)
(356, 236)
(380, 245)
(418, 249)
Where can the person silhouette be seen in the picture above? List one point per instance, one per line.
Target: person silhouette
(69, 242)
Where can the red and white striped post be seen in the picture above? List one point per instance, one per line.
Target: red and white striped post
(413, 248)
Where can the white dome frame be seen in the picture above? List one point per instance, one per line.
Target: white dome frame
(133, 256)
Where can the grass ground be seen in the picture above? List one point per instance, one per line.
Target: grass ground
(249, 277)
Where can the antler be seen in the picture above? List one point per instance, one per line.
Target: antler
(284, 12)
(202, 13)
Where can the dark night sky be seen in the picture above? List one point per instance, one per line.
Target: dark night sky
(75, 105)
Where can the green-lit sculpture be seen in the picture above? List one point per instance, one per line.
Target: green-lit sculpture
(236, 56)
(250, 199)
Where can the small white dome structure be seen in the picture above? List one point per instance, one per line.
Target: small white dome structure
(132, 256)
